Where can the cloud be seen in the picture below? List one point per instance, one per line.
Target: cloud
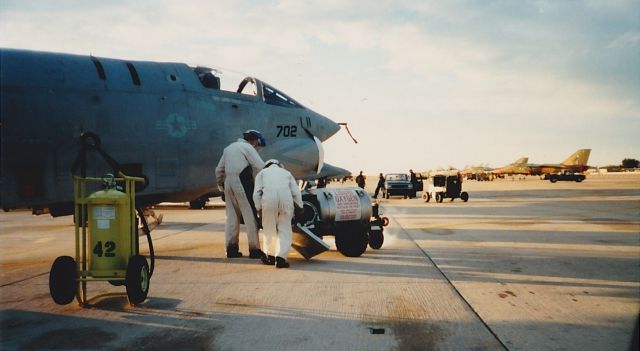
(626, 40)
(475, 70)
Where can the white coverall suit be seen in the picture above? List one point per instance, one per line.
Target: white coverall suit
(275, 193)
(235, 158)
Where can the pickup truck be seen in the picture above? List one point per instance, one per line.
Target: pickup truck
(398, 184)
(566, 176)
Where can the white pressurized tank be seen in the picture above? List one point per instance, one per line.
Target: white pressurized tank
(344, 204)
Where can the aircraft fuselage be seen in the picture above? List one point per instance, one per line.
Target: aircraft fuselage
(155, 119)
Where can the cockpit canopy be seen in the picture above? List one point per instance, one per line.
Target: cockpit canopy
(219, 80)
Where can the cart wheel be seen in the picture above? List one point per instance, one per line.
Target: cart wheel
(62, 280)
(553, 180)
(376, 238)
(428, 197)
(405, 196)
(385, 221)
(352, 242)
(137, 279)
(439, 197)
(464, 196)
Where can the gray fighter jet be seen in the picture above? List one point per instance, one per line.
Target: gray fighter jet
(166, 122)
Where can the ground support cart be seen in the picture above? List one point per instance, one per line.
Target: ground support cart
(106, 238)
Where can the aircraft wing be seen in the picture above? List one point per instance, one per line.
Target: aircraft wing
(328, 171)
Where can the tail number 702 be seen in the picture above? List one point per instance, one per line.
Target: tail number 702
(287, 131)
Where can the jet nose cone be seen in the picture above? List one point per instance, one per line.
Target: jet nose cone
(322, 127)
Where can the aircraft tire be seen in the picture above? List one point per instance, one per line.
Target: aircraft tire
(197, 204)
(352, 242)
(464, 196)
(62, 280)
(137, 279)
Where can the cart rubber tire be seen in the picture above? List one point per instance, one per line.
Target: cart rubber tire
(376, 239)
(62, 280)
(137, 279)
(428, 197)
(464, 196)
(553, 180)
(439, 197)
(352, 243)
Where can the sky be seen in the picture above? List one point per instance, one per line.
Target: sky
(421, 84)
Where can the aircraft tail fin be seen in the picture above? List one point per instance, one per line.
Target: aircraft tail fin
(521, 160)
(578, 158)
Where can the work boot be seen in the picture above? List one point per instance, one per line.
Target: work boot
(255, 253)
(268, 260)
(281, 262)
(232, 251)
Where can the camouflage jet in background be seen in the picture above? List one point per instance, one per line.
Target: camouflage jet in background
(520, 166)
(576, 163)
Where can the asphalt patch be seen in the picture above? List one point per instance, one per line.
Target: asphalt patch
(72, 338)
(417, 335)
(176, 339)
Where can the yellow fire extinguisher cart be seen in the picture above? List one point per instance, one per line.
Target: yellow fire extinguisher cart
(106, 243)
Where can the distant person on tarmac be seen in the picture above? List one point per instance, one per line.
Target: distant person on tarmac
(360, 180)
(414, 179)
(234, 173)
(380, 186)
(275, 195)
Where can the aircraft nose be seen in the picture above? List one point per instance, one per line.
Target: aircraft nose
(322, 127)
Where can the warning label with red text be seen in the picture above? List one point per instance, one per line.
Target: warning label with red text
(348, 207)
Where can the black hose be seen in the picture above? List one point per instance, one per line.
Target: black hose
(147, 232)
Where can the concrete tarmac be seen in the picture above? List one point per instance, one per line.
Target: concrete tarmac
(524, 265)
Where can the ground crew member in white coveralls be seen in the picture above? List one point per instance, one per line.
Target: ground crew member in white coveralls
(275, 195)
(239, 162)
